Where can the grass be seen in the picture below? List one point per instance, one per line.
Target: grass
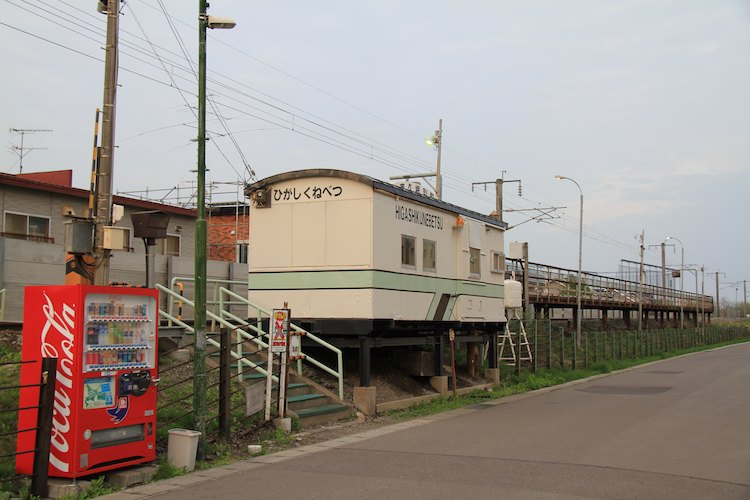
(529, 381)
(166, 470)
(97, 488)
(9, 376)
(275, 439)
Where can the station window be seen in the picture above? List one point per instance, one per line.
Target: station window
(408, 251)
(498, 262)
(474, 262)
(429, 255)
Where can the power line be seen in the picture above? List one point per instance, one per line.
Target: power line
(318, 128)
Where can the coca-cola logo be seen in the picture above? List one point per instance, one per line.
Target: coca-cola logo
(58, 341)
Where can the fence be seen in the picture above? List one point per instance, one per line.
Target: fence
(225, 400)
(553, 347)
(43, 427)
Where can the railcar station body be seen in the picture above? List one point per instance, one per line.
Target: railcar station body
(365, 264)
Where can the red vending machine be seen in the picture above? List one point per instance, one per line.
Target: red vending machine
(105, 342)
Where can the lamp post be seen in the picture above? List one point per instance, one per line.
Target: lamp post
(682, 280)
(437, 141)
(199, 325)
(580, 258)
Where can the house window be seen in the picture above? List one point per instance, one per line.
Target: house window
(168, 246)
(408, 251)
(498, 262)
(31, 227)
(474, 267)
(429, 255)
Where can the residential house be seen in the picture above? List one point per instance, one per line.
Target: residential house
(35, 208)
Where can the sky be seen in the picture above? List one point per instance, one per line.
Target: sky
(645, 104)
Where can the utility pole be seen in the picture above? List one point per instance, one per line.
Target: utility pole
(498, 193)
(640, 287)
(718, 307)
(435, 141)
(744, 300)
(106, 163)
(20, 149)
(663, 266)
(438, 175)
(199, 322)
(663, 246)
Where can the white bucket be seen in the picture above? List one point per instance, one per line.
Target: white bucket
(182, 448)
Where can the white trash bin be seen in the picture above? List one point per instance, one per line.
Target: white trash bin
(182, 448)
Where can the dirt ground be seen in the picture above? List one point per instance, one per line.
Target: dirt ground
(391, 382)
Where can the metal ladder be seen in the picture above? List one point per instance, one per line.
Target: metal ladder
(507, 340)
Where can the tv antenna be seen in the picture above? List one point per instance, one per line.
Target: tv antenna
(21, 151)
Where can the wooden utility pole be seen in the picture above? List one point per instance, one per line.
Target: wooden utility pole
(718, 307)
(106, 163)
(640, 287)
(664, 266)
(498, 193)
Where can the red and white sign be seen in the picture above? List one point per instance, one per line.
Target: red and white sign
(279, 330)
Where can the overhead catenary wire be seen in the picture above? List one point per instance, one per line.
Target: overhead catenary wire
(317, 128)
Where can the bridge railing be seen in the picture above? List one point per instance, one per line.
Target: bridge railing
(555, 285)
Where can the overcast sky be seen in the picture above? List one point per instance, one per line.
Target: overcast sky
(646, 104)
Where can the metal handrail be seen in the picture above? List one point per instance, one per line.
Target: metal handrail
(2, 303)
(549, 283)
(260, 311)
(172, 319)
(177, 279)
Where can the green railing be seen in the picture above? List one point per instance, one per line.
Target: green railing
(219, 311)
(233, 298)
(2, 304)
(241, 361)
(176, 300)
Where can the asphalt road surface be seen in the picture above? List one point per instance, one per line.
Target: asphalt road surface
(672, 429)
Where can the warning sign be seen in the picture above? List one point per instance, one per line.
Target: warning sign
(279, 330)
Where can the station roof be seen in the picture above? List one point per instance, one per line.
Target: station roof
(377, 185)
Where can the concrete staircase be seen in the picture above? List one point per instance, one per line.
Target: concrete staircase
(310, 402)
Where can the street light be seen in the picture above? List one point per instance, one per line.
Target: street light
(199, 325)
(682, 280)
(436, 141)
(580, 258)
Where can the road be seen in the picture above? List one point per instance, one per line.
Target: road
(671, 429)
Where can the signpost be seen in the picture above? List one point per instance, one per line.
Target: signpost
(279, 344)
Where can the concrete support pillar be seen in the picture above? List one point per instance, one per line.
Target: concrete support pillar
(661, 319)
(626, 318)
(605, 320)
(492, 375)
(440, 384)
(365, 400)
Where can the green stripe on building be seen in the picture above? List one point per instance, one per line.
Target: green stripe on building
(383, 280)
